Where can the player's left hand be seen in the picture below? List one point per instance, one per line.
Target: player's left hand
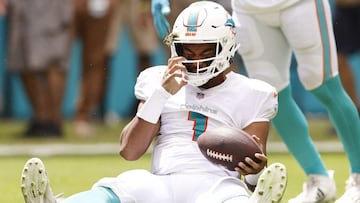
(160, 9)
(252, 167)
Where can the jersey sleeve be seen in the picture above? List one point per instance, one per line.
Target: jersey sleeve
(147, 81)
(270, 105)
(264, 103)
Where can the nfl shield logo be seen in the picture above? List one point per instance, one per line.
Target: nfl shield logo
(200, 95)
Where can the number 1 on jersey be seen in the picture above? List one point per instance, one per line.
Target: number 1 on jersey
(200, 124)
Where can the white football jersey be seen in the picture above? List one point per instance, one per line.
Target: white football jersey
(237, 102)
(261, 6)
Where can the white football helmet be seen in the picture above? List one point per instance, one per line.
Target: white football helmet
(205, 22)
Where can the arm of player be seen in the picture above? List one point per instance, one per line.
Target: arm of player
(137, 136)
(260, 131)
(160, 9)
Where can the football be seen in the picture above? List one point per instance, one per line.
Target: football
(228, 146)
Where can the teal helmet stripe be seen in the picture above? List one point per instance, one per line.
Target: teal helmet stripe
(325, 38)
(193, 20)
(192, 23)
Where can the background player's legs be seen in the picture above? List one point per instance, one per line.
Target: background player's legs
(318, 72)
(34, 88)
(293, 129)
(45, 91)
(140, 22)
(343, 115)
(55, 79)
(93, 31)
(295, 133)
(262, 62)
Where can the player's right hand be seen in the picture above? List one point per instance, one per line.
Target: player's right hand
(160, 9)
(173, 79)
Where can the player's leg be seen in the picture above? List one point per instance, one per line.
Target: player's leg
(225, 189)
(271, 184)
(145, 45)
(262, 62)
(93, 31)
(296, 134)
(55, 83)
(35, 185)
(318, 72)
(344, 116)
(317, 180)
(308, 48)
(131, 186)
(292, 129)
(95, 195)
(270, 188)
(138, 186)
(34, 89)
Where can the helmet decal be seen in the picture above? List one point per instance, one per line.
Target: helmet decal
(195, 19)
(230, 22)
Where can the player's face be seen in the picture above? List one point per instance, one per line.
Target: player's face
(198, 52)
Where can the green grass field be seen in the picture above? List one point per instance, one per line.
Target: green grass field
(71, 174)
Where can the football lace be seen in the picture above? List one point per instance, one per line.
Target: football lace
(219, 155)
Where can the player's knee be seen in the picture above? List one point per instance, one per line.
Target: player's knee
(310, 74)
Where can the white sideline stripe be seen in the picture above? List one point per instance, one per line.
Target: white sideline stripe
(58, 149)
(106, 148)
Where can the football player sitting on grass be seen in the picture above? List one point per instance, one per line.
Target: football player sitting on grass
(179, 101)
